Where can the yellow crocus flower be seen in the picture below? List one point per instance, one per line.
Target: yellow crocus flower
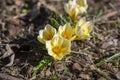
(71, 9)
(83, 29)
(58, 47)
(66, 31)
(46, 34)
(75, 8)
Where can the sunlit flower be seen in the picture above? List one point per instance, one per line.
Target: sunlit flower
(66, 31)
(72, 9)
(75, 8)
(46, 34)
(83, 29)
(58, 47)
(83, 5)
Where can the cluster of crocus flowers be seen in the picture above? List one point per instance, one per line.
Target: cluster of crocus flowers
(58, 42)
(75, 8)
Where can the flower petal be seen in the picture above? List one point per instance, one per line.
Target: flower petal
(58, 47)
(46, 34)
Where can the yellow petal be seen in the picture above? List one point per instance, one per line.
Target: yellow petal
(48, 27)
(83, 37)
(76, 7)
(46, 34)
(57, 39)
(87, 28)
(72, 9)
(83, 29)
(83, 10)
(40, 37)
(58, 47)
(82, 3)
(66, 31)
(90, 26)
(74, 13)
(81, 21)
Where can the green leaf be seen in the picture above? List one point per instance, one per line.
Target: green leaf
(25, 8)
(118, 24)
(54, 23)
(46, 61)
(57, 20)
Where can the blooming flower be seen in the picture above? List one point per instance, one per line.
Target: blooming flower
(71, 9)
(46, 34)
(83, 5)
(58, 47)
(83, 29)
(66, 31)
(76, 7)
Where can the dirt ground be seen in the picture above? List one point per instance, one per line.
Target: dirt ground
(20, 51)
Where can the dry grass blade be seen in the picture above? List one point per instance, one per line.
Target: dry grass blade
(4, 76)
(106, 16)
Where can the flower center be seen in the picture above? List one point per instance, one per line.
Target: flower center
(57, 49)
(50, 36)
(65, 35)
(85, 31)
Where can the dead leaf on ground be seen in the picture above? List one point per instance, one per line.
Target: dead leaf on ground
(76, 66)
(8, 53)
(85, 76)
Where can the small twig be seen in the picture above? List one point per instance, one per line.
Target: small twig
(112, 6)
(93, 46)
(76, 52)
(5, 76)
(21, 15)
(115, 56)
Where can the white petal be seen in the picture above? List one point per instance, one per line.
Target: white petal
(81, 21)
(48, 44)
(83, 10)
